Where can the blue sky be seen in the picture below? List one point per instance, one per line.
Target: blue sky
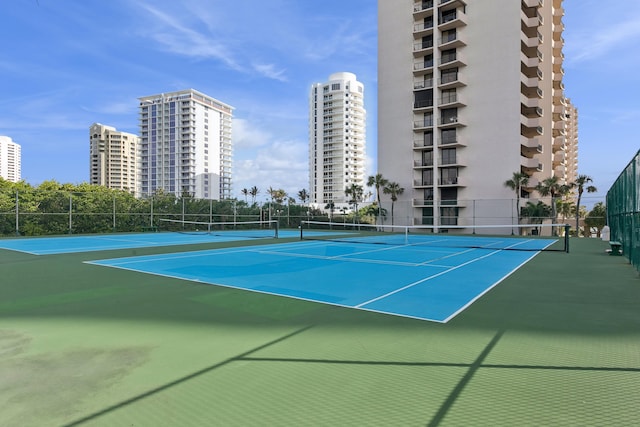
(66, 64)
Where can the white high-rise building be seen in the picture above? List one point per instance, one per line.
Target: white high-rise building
(113, 158)
(185, 145)
(337, 120)
(10, 159)
(470, 92)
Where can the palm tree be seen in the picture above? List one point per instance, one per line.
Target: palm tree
(355, 192)
(393, 189)
(245, 193)
(377, 181)
(517, 181)
(331, 206)
(536, 212)
(253, 193)
(552, 187)
(582, 184)
(303, 196)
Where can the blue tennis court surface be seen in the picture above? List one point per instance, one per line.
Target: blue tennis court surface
(70, 244)
(423, 282)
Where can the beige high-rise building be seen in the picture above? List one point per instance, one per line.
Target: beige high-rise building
(470, 92)
(10, 159)
(113, 158)
(337, 121)
(186, 147)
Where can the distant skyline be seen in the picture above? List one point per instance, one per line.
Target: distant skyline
(70, 64)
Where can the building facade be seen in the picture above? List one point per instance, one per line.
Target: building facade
(10, 160)
(185, 145)
(337, 121)
(469, 93)
(113, 158)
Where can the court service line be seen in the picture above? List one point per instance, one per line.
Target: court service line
(410, 285)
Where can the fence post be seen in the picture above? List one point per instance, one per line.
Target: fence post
(70, 211)
(114, 213)
(17, 214)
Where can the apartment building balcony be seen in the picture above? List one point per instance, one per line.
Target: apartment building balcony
(422, 164)
(559, 143)
(422, 83)
(529, 102)
(419, 203)
(422, 124)
(531, 92)
(528, 62)
(422, 106)
(422, 143)
(451, 100)
(531, 122)
(531, 132)
(452, 141)
(452, 80)
(558, 13)
(529, 147)
(455, 18)
(418, 183)
(532, 3)
(422, 29)
(451, 182)
(531, 82)
(422, 48)
(559, 158)
(423, 66)
(422, 9)
(450, 4)
(451, 41)
(560, 170)
(531, 165)
(529, 22)
(530, 42)
(451, 161)
(558, 85)
(452, 60)
(450, 122)
(531, 112)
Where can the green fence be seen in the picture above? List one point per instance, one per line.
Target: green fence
(623, 211)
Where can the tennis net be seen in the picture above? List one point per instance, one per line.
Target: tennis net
(248, 229)
(531, 237)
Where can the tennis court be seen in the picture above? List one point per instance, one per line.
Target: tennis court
(556, 343)
(91, 243)
(429, 281)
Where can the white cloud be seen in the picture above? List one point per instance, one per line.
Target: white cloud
(245, 135)
(598, 42)
(269, 70)
(281, 164)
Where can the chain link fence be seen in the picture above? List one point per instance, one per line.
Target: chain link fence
(623, 211)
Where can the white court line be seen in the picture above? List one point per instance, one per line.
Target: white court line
(426, 279)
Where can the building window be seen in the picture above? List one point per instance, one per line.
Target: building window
(448, 156)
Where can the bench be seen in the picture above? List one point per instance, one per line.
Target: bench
(616, 248)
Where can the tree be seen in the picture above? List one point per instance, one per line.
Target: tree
(354, 192)
(552, 187)
(245, 193)
(303, 196)
(394, 190)
(517, 181)
(582, 184)
(597, 217)
(254, 193)
(536, 212)
(377, 181)
(331, 206)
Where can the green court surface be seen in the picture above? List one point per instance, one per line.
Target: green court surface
(555, 344)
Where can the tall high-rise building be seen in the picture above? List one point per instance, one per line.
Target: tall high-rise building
(10, 159)
(113, 158)
(185, 145)
(470, 92)
(336, 138)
